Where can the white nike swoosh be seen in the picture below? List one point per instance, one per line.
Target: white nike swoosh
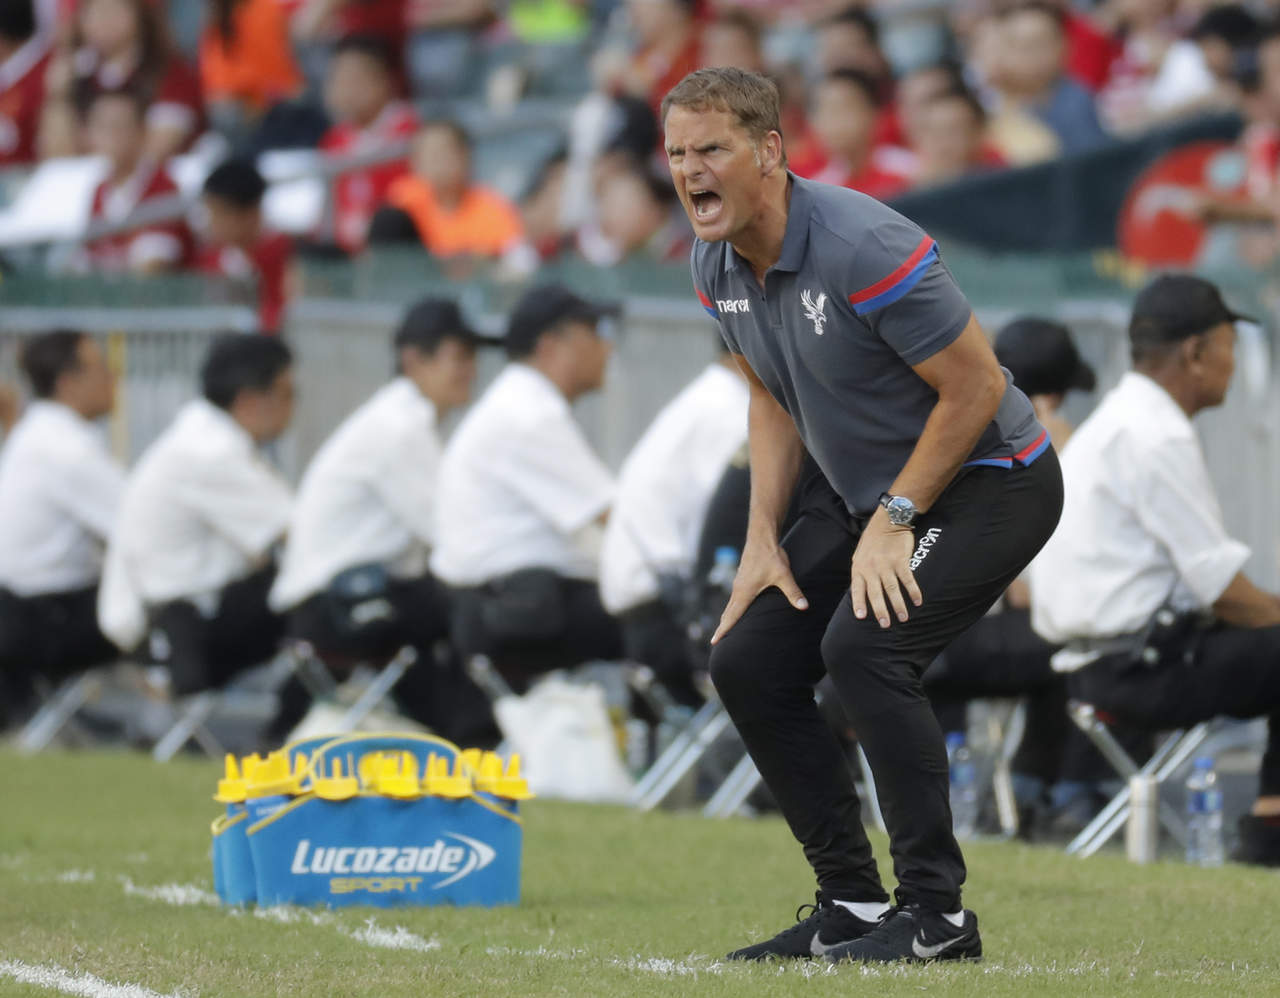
(929, 952)
(818, 948)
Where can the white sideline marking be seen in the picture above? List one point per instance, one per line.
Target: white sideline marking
(86, 985)
(182, 895)
(76, 877)
(397, 938)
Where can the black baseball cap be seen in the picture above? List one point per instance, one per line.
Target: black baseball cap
(432, 320)
(1042, 357)
(1174, 307)
(547, 305)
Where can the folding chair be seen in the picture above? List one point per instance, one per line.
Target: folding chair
(316, 676)
(59, 711)
(1176, 748)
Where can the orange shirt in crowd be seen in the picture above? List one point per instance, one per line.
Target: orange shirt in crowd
(357, 195)
(256, 67)
(483, 224)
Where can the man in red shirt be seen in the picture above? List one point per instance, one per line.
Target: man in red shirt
(24, 57)
(844, 116)
(360, 95)
(240, 246)
(116, 128)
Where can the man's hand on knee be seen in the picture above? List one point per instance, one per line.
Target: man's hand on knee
(763, 567)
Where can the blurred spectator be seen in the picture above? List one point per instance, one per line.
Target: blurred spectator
(190, 557)
(540, 209)
(844, 117)
(24, 60)
(365, 513)
(8, 407)
(59, 494)
(916, 90)
(637, 215)
(328, 20)
(246, 61)
(522, 498)
(733, 38)
(121, 45)
(1198, 73)
(667, 47)
(1091, 51)
(1148, 31)
(651, 541)
(1040, 112)
(850, 40)
(1143, 582)
(239, 246)
(455, 217)
(360, 95)
(116, 131)
(952, 140)
(444, 45)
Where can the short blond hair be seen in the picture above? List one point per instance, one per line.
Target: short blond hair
(750, 97)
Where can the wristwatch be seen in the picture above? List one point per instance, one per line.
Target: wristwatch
(902, 511)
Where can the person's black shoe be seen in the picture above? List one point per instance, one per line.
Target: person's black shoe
(1259, 841)
(827, 926)
(913, 935)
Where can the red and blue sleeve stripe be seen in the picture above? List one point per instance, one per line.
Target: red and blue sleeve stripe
(899, 283)
(1024, 457)
(706, 303)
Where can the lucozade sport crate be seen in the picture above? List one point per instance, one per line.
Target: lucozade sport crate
(382, 820)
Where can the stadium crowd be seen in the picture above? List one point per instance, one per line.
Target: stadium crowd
(399, 100)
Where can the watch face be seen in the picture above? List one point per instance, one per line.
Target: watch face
(902, 511)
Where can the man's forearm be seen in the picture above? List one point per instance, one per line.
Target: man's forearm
(1245, 605)
(776, 454)
(949, 436)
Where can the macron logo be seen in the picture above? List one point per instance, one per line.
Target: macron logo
(925, 546)
(733, 305)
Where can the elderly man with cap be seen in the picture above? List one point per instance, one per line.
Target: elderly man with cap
(363, 526)
(1142, 532)
(523, 498)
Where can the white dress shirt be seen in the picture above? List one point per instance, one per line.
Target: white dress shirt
(368, 496)
(666, 484)
(202, 509)
(520, 486)
(59, 494)
(1140, 526)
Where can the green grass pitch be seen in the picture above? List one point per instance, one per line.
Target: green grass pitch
(105, 883)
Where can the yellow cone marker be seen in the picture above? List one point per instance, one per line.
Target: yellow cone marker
(471, 759)
(439, 782)
(337, 786)
(513, 786)
(489, 774)
(271, 776)
(231, 788)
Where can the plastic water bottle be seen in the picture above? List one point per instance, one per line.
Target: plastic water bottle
(1204, 815)
(723, 569)
(964, 786)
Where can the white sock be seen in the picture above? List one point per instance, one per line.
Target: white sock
(868, 911)
(956, 918)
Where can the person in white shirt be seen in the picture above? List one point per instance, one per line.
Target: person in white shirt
(651, 541)
(1142, 583)
(366, 510)
(59, 493)
(189, 564)
(523, 497)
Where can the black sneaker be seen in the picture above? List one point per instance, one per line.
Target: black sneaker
(828, 926)
(913, 935)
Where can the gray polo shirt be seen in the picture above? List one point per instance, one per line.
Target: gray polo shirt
(858, 296)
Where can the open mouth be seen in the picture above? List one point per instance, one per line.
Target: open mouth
(706, 205)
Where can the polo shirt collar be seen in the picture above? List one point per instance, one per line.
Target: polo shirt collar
(795, 239)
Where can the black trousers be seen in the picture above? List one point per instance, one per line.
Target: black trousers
(981, 533)
(53, 636)
(1235, 672)
(590, 633)
(204, 653)
(435, 692)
